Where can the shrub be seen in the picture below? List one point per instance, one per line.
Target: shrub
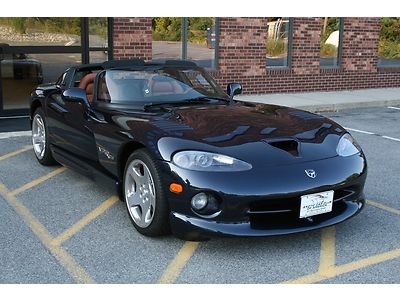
(328, 50)
(19, 25)
(276, 47)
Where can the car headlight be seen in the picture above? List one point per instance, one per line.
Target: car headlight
(206, 161)
(347, 146)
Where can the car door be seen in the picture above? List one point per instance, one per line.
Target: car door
(69, 125)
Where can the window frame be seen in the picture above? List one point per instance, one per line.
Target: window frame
(339, 56)
(289, 50)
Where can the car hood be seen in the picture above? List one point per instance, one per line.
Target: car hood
(247, 131)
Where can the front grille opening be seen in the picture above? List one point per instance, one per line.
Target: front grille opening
(291, 206)
(278, 221)
(290, 146)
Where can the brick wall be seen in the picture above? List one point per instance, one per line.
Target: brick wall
(132, 38)
(359, 68)
(242, 55)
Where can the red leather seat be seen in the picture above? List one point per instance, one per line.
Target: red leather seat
(87, 84)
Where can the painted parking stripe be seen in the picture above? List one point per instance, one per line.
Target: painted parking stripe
(7, 135)
(360, 131)
(40, 231)
(16, 152)
(328, 250)
(392, 107)
(176, 266)
(78, 226)
(384, 207)
(37, 181)
(371, 133)
(390, 138)
(15, 117)
(349, 267)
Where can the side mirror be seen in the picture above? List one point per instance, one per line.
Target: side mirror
(76, 95)
(233, 89)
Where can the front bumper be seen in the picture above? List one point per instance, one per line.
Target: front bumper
(194, 228)
(266, 201)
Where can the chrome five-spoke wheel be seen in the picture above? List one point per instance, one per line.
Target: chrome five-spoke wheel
(144, 195)
(38, 136)
(40, 139)
(140, 194)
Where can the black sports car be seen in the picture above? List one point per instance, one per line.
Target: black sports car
(186, 157)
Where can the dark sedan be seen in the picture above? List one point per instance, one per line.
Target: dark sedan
(187, 158)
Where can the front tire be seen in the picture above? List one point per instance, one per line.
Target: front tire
(144, 195)
(40, 139)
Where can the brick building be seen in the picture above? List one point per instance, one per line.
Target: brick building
(266, 55)
(242, 55)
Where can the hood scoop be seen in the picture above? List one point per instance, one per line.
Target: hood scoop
(289, 145)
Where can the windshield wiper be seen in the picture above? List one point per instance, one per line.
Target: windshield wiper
(173, 103)
(210, 98)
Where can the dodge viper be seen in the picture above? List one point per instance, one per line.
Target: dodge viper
(188, 158)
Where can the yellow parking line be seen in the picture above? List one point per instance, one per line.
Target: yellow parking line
(384, 207)
(37, 181)
(16, 152)
(67, 261)
(67, 234)
(349, 267)
(365, 262)
(327, 255)
(173, 270)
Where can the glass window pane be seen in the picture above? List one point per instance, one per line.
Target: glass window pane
(98, 56)
(40, 31)
(277, 42)
(167, 38)
(330, 35)
(201, 41)
(389, 43)
(98, 32)
(20, 73)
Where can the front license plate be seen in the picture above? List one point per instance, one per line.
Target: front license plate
(316, 204)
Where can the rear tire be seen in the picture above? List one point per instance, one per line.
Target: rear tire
(144, 195)
(40, 139)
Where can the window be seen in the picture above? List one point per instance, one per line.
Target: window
(40, 31)
(331, 42)
(389, 43)
(278, 42)
(167, 38)
(21, 73)
(194, 39)
(201, 41)
(98, 39)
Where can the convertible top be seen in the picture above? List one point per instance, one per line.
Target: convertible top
(135, 62)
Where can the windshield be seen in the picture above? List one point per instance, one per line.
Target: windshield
(157, 85)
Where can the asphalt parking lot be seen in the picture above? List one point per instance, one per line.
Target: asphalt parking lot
(59, 227)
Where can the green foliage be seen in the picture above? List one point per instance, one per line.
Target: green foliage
(55, 25)
(19, 24)
(167, 29)
(328, 50)
(388, 49)
(170, 29)
(276, 47)
(389, 38)
(390, 29)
